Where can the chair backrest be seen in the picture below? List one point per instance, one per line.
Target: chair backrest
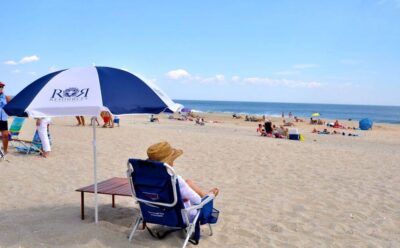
(16, 126)
(36, 141)
(155, 186)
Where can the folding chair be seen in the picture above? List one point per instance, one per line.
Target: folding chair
(155, 187)
(34, 146)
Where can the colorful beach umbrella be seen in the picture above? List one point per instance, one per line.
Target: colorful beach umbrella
(86, 92)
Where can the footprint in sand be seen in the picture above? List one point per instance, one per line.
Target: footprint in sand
(274, 228)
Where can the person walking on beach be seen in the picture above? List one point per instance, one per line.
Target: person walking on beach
(4, 117)
(42, 125)
(283, 114)
(81, 120)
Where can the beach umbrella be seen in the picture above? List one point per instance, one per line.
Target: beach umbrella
(86, 92)
(316, 114)
(186, 110)
(366, 124)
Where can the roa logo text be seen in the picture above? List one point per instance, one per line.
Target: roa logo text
(69, 95)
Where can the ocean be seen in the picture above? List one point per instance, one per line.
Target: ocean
(385, 114)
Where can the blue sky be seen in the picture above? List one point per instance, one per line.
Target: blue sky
(274, 51)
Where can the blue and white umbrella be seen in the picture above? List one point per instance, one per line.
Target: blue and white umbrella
(86, 92)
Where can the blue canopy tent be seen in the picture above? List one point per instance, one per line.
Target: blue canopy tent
(366, 124)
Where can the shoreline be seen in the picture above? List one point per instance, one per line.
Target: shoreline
(274, 118)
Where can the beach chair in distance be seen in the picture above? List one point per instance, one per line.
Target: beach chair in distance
(155, 187)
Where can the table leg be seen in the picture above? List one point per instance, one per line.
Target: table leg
(113, 201)
(82, 205)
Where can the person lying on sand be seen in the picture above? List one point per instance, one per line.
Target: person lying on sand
(298, 119)
(320, 132)
(190, 192)
(279, 132)
(235, 116)
(261, 130)
(200, 121)
(288, 124)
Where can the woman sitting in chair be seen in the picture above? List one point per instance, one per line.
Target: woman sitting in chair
(191, 193)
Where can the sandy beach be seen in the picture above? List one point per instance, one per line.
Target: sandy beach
(327, 191)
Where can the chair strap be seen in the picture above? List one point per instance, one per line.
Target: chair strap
(159, 235)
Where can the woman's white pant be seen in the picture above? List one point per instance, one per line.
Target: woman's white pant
(44, 138)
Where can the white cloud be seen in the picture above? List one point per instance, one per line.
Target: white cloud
(10, 62)
(24, 60)
(29, 59)
(221, 79)
(32, 73)
(177, 74)
(16, 71)
(235, 78)
(53, 68)
(304, 66)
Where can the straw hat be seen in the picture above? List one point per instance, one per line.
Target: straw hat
(163, 152)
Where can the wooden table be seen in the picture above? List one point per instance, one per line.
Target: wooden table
(113, 186)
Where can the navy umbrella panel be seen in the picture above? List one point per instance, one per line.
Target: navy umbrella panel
(87, 92)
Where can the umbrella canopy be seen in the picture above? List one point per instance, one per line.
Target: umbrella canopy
(88, 91)
(186, 110)
(366, 124)
(316, 114)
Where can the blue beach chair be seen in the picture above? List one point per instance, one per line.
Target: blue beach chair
(155, 187)
(34, 146)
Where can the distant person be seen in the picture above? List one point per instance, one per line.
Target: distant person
(107, 119)
(283, 114)
(42, 126)
(4, 117)
(290, 115)
(268, 127)
(95, 120)
(154, 119)
(81, 120)
(235, 116)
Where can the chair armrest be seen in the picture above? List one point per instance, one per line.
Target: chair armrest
(207, 199)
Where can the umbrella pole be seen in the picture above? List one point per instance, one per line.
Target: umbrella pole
(96, 210)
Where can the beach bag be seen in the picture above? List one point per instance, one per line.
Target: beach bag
(208, 215)
(301, 137)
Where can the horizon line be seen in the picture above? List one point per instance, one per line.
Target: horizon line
(249, 101)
